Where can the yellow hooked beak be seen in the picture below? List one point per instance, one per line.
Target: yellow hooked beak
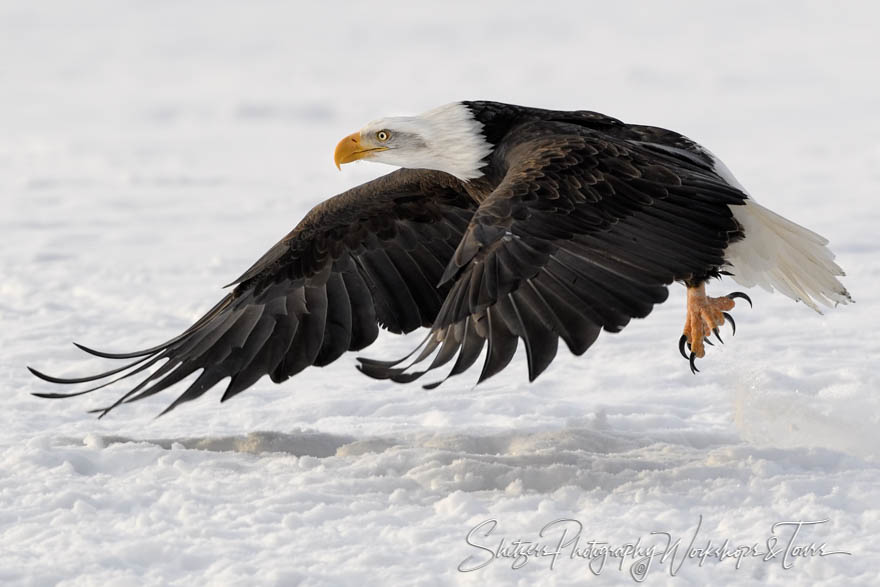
(351, 149)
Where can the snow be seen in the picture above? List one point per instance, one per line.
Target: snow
(152, 150)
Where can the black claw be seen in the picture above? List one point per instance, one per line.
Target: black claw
(694, 369)
(739, 294)
(681, 342)
(718, 336)
(732, 323)
(707, 341)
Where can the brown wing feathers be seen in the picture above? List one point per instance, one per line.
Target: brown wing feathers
(372, 256)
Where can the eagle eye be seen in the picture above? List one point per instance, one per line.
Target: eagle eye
(383, 135)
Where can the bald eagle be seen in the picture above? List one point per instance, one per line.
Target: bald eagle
(506, 223)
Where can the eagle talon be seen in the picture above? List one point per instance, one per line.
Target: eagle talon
(681, 342)
(707, 341)
(691, 360)
(732, 323)
(718, 336)
(739, 294)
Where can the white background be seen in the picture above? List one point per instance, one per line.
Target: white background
(150, 151)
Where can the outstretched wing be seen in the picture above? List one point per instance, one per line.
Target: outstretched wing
(585, 232)
(369, 257)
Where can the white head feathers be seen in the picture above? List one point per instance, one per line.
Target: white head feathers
(447, 138)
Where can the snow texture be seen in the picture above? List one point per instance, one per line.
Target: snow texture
(150, 151)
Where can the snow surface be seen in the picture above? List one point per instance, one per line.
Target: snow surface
(150, 151)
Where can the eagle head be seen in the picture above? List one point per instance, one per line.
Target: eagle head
(447, 139)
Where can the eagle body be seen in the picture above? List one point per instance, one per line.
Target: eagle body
(506, 224)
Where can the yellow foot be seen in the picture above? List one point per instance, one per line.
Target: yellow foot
(704, 316)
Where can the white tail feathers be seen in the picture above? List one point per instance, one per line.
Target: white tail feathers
(778, 254)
